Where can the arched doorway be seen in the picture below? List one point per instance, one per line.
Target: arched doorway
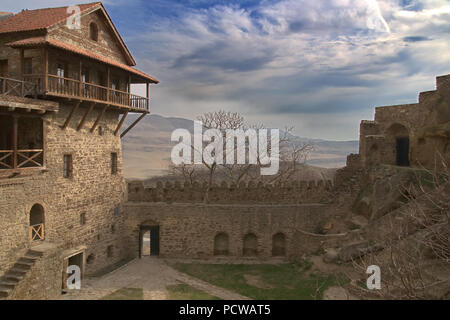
(221, 244)
(250, 245)
(148, 239)
(399, 136)
(279, 245)
(37, 223)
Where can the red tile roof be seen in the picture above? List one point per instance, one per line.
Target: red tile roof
(39, 41)
(40, 19)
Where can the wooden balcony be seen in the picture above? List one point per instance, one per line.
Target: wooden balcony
(17, 88)
(52, 85)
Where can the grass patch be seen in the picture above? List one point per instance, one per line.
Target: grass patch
(292, 281)
(126, 294)
(186, 292)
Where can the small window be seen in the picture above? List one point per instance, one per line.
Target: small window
(100, 130)
(93, 31)
(116, 210)
(113, 163)
(28, 66)
(110, 251)
(83, 218)
(113, 228)
(68, 166)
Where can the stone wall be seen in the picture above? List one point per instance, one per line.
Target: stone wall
(291, 192)
(92, 191)
(189, 230)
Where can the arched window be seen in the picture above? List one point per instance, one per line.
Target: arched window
(250, 245)
(279, 245)
(93, 31)
(37, 220)
(221, 244)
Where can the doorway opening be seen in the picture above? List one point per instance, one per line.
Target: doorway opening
(75, 260)
(149, 241)
(402, 151)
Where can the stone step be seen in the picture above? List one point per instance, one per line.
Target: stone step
(33, 253)
(8, 285)
(19, 266)
(16, 273)
(27, 261)
(4, 293)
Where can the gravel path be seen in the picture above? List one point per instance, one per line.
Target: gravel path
(151, 274)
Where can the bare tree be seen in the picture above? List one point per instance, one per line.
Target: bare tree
(415, 263)
(292, 152)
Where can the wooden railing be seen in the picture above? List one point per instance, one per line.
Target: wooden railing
(89, 91)
(37, 232)
(18, 88)
(26, 158)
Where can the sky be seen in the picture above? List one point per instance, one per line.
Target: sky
(320, 66)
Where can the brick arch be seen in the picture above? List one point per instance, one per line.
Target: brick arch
(250, 245)
(221, 244)
(279, 245)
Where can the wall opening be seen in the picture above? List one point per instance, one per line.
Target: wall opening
(250, 245)
(148, 241)
(75, 260)
(402, 151)
(37, 223)
(221, 244)
(279, 245)
(398, 137)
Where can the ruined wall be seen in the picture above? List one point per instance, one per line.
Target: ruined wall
(92, 191)
(189, 230)
(290, 192)
(426, 124)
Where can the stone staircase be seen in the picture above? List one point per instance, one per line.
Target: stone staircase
(17, 272)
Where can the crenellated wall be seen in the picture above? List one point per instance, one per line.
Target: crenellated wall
(291, 192)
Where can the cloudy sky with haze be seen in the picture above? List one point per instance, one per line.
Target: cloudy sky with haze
(318, 65)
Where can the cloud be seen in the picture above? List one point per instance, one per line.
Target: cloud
(321, 64)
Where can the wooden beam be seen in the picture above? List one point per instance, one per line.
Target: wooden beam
(132, 125)
(100, 115)
(75, 107)
(119, 125)
(85, 116)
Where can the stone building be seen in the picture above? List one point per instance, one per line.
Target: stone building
(416, 135)
(65, 91)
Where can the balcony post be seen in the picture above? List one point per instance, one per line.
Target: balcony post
(14, 139)
(45, 69)
(80, 74)
(129, 90)
(147, 95)
(22, 61)
(108, 83)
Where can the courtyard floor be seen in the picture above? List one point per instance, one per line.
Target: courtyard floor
(154, 276)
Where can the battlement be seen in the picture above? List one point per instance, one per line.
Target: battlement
(286, 193)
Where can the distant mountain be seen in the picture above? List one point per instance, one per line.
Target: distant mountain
(147, 147)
